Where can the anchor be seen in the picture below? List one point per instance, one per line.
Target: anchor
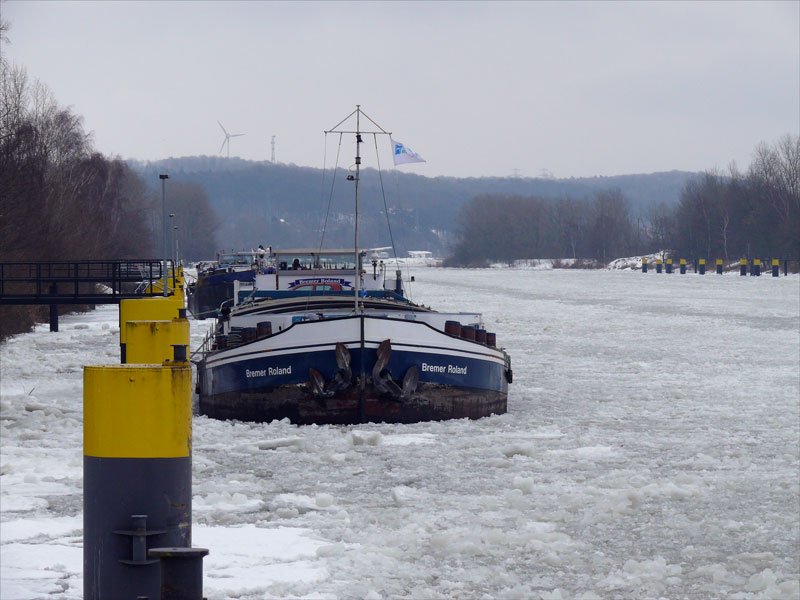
(344, 375)
(342, 380)
(382, 378)
(316, 382)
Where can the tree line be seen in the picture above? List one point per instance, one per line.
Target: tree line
(284, 205)
(59, 197)
(731, 215)
(62, 200)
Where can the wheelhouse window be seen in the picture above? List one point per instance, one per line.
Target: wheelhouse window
(235, 259)
(315, 261)
(337, 261)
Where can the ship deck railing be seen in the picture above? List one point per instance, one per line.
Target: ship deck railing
(247, 296)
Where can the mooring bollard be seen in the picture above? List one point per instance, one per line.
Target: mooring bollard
(756, 268)
(776, 267)
(180, 285)
(719, 266)
(658, 265)
(669, 266)
(742, 267)
(702, 266)
(137, 474)
(181, 572)
(644, 265)
(151, 342)
(682, 263)
(159, 308)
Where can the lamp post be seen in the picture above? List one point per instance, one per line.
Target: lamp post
(177, 253)
(170, 229)
(163, 178)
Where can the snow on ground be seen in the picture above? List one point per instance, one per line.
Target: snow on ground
(630, 263)
(651, 450)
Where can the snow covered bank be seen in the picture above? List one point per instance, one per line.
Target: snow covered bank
(628, 263)
(651, 450)
(544, 264)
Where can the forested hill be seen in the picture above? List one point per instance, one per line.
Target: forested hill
(285, 205)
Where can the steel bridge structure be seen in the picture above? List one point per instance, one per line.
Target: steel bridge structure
(81, 282)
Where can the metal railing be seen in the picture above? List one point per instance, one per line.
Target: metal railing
(81, 281)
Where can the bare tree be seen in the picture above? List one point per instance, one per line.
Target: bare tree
(610, 230)
(58, 198)
(662, 228)
(196, 221)
(570, 221)
(777, 168)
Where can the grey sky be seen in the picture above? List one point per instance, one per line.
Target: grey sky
(476, 88)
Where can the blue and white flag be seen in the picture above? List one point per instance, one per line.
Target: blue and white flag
(403, 155)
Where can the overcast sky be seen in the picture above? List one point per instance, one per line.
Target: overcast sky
(578, 89)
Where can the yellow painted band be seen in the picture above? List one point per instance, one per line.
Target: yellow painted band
(719, 261)
(683, 261)
(756, 261)
(702, 261)
(148, 342)
(776, 262)
(742, 261)
(137, 411)
(159, 308)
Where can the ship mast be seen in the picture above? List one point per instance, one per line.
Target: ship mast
(355, 178)
(357, 285)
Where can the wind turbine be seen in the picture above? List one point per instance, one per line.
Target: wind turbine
(227, 140)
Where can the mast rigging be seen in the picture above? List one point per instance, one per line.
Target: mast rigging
(356, 178)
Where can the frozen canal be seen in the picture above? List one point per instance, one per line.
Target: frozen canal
(651, 450)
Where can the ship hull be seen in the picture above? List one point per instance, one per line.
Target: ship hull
(422, 374)
(296, 403)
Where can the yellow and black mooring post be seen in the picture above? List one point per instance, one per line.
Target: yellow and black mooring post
(743, 267)
(701, 266)
(181, 572)
(682, 263)
(776, 267)
(137, 473)
(755, 269)
(158, 308)
(644, 265)
(148, 342)
(669, 266)
(718, 265)
(658, 265)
